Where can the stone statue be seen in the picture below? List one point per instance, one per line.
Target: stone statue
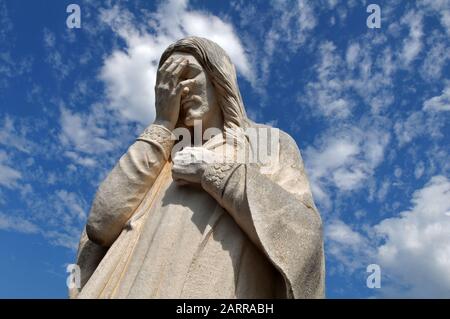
(200, 221)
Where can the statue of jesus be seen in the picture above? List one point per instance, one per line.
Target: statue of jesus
(194, 221)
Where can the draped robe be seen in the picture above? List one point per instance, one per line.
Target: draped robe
(242, 233)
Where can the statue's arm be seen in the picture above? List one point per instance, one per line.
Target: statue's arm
(277, 213)
(126, 185)
(227, 183)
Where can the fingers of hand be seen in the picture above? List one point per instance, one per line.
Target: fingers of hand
(182, 159)
(165, 71)
(177, 174)
(185, 91)
(170, 73)
(183, 177)
(175, 65)
(190, 155)
(186, 86)
(177, 71)
(166, 64)
(182, 172)
(188, 152)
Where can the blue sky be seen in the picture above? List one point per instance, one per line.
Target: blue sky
(369, 109)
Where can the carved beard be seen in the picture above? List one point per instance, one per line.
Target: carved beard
(194, 111)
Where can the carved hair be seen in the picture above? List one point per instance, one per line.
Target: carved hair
(222, 74)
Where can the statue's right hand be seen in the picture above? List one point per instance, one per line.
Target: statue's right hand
(168, 91)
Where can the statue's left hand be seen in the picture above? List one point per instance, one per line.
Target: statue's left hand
(190, 163)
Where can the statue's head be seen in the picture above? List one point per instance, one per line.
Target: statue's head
(216, 88)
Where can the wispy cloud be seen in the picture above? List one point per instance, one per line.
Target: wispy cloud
(412, 45)
(418, 124)
(291, 25)
(439, 103)
(350, 81)
(8, 175)
(83, 133)
(60, 215)
(344, 160)
(436, 57)
(18, 224)
(11, 136)
(350, 248)
(440, 8)
(327, 96)
(284, 30)
(56, 57)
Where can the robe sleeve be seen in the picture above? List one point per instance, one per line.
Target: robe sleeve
(119, 195)
(126, 185)
(89, 256)
(277, 213)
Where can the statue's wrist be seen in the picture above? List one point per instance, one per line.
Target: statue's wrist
(215, 177)
(165, 123)
(160, 136)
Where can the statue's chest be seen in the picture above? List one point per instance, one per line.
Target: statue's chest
(186, 201)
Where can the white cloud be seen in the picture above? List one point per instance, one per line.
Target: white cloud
(419, 169)
(14, 223)
(130, 74)
(416, 252)
(441, 8)
(72, 205)
(383, 191)
(436, 57)
(327, 96)
(8, 175)
(306, 17)
(60, 215)
(83, 133)
(6, 25)
(439, 103)
(445, 19)
(341, 233)
(412, 45)
(55, 57)
(344, 159)
(291, 24)
(352, 54)
(350, 248)
(13, 136)
(81, 160)
(49, 38)
(340, 75)
(59, 238)
(418, 124)
(11, 66)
